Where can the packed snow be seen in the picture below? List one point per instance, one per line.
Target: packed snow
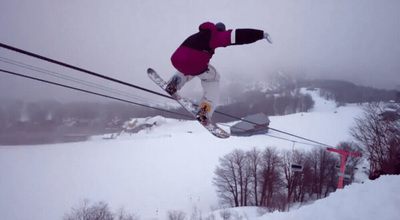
(378, 199)
(170, 166)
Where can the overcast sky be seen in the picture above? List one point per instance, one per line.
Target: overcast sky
(354, 40)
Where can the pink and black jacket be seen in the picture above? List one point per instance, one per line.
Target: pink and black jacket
(194, 54)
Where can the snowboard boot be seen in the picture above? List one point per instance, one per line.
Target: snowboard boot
(172, 85)
(202, 113)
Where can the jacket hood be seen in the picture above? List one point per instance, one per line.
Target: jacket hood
(208, 26)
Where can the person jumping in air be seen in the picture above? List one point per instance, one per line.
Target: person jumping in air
(192, 59)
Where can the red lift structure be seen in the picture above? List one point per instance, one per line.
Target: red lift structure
(343, 163)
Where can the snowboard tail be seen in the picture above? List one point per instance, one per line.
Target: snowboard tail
(211, 126)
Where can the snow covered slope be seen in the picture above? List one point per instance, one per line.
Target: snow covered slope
(168, 167)
(378, 199)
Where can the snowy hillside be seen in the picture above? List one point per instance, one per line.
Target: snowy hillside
(371, 200)
(170, 167)
(377, 199)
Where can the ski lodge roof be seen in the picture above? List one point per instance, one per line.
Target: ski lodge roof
(251, 125)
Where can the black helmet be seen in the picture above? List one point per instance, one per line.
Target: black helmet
(220, 26)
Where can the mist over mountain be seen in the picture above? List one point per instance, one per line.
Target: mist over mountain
(278, 96)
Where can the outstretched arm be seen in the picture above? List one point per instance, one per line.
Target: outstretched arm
(248, 36)
(237, 37)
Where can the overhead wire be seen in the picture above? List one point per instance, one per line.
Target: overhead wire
(80, 69)
(72, 79)
(124, 83)
(90, 92)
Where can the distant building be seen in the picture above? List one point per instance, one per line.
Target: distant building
(251, 125)
(391, 111)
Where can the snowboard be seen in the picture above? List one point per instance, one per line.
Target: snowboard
(211, 126)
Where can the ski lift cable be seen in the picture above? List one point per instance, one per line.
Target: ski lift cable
(90, 92)
(72, 79)
(287, 139)
(130, 85)
(273, 129)
(80, 69)
(277, 130)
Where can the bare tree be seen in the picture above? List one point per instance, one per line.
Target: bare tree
(306, 180)
(323, 170)
(293, 179)
(196, 214)
(225, 214)
(380, 139)
(270, 176)
(233, 178)
(255, 163)
(123, 215)
(176, 215)
(97, 211)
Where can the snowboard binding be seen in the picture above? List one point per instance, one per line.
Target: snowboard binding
(202, 113)
(172, 85)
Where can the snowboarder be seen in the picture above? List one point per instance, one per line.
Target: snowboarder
(192, 59)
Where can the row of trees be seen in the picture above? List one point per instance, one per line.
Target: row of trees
(252, 102)
(346, 92)
(97, 211)
(42, 112)
(100, 211)
(267, 179)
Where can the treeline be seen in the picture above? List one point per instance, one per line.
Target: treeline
(346, 92)
(97, 211)
(47, 115)
(253, 102)
(45, 122)
(276, 179)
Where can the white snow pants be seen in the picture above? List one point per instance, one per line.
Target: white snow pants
(210, 84)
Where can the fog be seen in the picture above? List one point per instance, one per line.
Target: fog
(353, 40)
